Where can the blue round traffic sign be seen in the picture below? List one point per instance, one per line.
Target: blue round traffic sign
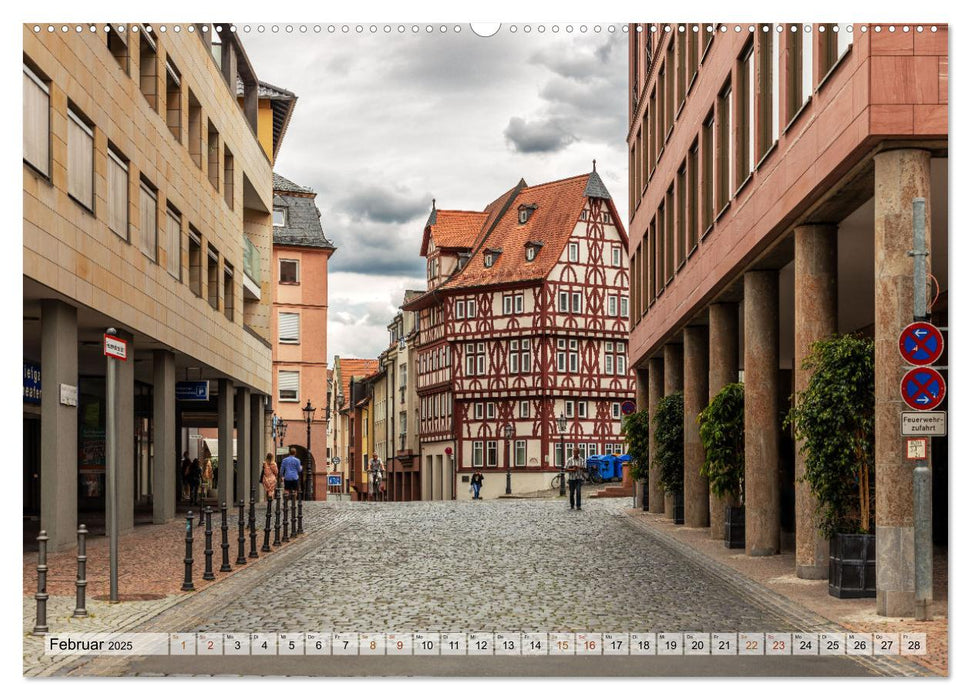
(921, 344)
(923, 388)
(628, 407)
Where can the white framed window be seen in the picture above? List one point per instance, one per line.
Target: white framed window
(561, 355)
(573, 254)
(288, 385)
(469, 359)
(608, 364)
(289, 271)
(489, 259)
(615, 256)
(615, 410)
(563, 302)
(523, 216)
(477, 412)
(568, 409)
(117, 194)
(524, 409)
(581, 409)
(591, 448)
(520, 453)
(480, 358)
(289, 327)
(80, 160)
(574, 356)
(514, 357)
(507, 304)
(476, 453)
(518, 303)
(148, 231)
(577, 299)
(524, 363)
(490, 410)
(558, 454)
(470, 308)
(492, 453)
(530, 253)
(460, 309)
(37, 122)
(611, 304)
(621, 364)
(279, 217)
(173, 242)
(624, 306)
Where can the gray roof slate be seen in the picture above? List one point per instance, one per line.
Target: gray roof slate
(303, 217)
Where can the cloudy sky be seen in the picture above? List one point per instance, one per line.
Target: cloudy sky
(387, 121)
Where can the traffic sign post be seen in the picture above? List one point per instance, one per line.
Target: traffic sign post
(116, 350)
(921, 344)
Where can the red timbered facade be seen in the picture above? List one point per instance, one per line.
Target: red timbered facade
(526, 318)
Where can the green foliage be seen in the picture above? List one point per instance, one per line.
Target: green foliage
(637, 429)
(668, 427)
(834, 419)
(722, 430)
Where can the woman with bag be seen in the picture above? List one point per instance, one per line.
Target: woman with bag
(270, 474)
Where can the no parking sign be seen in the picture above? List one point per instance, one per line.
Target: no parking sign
(922, 388)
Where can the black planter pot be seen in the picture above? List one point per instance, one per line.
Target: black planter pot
(853, 566)
(679, 509)
(735, 527)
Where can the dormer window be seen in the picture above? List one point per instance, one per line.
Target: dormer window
(532, 248)
(279, 216)
(525, 211)
(490, 256)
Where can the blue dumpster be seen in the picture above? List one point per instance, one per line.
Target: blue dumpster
(605, 464)
(598, 464)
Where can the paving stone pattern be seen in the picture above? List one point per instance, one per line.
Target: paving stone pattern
(502, 565)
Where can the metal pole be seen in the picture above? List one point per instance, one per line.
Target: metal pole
(187, 582)
(253, 554)
(508, 471)
(224, 526)
(40, 625)
(80, 610)
(286, 519)
(562, 464)
(293, 515)
(207, 575)
(923, 543)
(307, 474)
(276, 520)
(241, 523)
(266, 528)
(111, 469)
(300, 513)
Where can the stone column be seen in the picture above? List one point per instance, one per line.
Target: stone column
(58, 425)
(257, 424)
(641, 388)
(655, 390)
(722, 370)
(673, 382)
(900, 176)
(224, 422)
(695, 400)
(125, 446)
(166, 456)
(815, 319)
(244, 469)
(762, 412)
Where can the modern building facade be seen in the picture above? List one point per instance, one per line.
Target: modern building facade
(300, 255)
(772, 174)
(147, 196)
(525, 319)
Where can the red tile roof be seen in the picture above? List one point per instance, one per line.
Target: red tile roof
(353, 367)
(453, 229)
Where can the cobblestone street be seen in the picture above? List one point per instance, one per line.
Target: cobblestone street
(489, 566)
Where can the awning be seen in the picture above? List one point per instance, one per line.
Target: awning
(212, 445)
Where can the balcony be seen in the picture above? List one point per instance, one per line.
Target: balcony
(252, 270)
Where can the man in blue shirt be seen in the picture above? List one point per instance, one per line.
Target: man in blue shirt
(292, 469)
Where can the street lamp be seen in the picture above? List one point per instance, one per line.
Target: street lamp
(507, 432)
(308, 414)
(281, 430)
(561, 424)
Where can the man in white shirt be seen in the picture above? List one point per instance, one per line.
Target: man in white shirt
(576, 468)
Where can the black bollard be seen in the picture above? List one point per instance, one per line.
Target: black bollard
(225, 543)
(266, 529)
(286, 520)
(202, 515)
(299, 516)
(276, 522)
(241, 554)
(40, 625)
(253, 554)
(207, 574)
(187, 583)
(293, 515)
(80, 610)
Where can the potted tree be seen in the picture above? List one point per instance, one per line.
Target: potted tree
(834, 419)
(668, 458)
(636, 427)
(722, 431)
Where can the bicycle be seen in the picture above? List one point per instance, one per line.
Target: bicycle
(555, 483)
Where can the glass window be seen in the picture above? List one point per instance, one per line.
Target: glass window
(524, 409)
(476, 453)
(615, 256)
(564, 302)
(520, 453)
(574, 252)
(289, 271)
(279, 216)
(507, 304)
(470, 308)
(460, 309)
(577, 298)
(492, 453)
(80, 160)
(611, 304)
(289, 327)
(37, 122)
(289, 385)
(518, 302)
(624, 303)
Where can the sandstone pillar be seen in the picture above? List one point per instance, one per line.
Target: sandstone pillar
(695, 400)
(722, 370)
(900, 176)
(224, 420)
(165, 452)
(762, 412)
(815, 319)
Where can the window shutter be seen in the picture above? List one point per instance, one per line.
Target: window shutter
(37, 122)
(289, 327)
(173, 244)
(149, 232)
(289, 383)
(117, 195)
(80, 160)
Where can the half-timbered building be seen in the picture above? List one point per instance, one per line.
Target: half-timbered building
(526, 318)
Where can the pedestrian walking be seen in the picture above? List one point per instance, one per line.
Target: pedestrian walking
(270, 475)
(292, 469)
(207, 474)
(184, 476)
(476, 485)
(575, 467)
(194, 475)
(375, 477)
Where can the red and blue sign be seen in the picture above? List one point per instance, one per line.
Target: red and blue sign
(923, 388)
(628, 407)
(921, 344)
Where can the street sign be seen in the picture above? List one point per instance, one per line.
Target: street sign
(922, 388)
(334, 479)
(192, 391)
(628, 407)
(116, 347)
(933, 423)
(916, 448)
(921, 344)
(336, 460)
